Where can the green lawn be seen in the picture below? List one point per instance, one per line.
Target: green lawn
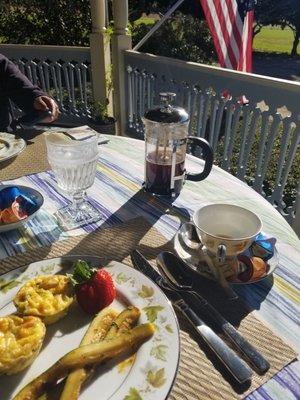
(273, 39)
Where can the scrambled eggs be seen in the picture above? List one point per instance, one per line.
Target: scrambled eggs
(21, 339)
(46, 296)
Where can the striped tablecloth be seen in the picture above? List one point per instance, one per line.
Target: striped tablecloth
(117, 193)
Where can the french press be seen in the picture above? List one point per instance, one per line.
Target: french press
(166, 139)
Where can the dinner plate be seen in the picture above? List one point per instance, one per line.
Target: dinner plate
(191, 258)
(152, 373)
(32, 194)
(10, 146)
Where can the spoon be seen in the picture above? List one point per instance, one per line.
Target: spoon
(173, 270)
(189, 237)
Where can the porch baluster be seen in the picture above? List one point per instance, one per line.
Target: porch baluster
(212, 123)
(271, 138)
(218, 124)
(193, 110)
(264, 131)
(256, 113)
(288, 140)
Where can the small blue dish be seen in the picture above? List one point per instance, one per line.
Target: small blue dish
(30, 193)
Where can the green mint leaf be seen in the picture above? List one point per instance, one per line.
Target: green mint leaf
(82, 272)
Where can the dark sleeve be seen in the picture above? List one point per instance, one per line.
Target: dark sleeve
(16, 86)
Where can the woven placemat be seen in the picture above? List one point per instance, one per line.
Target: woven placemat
(200, 375)
(33, 158)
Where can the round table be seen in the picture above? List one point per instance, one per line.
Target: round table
(119, 179)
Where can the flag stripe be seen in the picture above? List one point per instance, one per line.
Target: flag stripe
(236, 22)
(210, 22)
(245, 43)
(250, 40)
(230, 26)
(225, 33)
(246, 58)
(230, 23)
(218, 35)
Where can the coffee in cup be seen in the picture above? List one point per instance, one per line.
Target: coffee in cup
(226, 228)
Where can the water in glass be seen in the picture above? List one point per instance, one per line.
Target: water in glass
(74, 167)
(74, 164)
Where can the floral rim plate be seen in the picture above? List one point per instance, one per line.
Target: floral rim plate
(192, 260)
(149, 377)
(10, 146)
(31, 193)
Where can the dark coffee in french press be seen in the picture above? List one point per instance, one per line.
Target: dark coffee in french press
(166, 138)
(159, 175)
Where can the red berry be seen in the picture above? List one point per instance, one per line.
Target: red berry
(97, 292)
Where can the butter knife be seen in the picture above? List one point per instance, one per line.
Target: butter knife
(237, 367)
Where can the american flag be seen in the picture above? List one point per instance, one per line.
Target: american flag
(230, 23)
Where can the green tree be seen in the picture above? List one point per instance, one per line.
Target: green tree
(281, 12)
(56, 22)
(181, 36)
(138, 7)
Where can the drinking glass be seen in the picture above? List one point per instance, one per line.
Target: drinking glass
(74, 164)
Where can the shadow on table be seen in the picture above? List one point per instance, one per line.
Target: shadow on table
(29, 133)
(254, 294)
(250, 296)
(6, 163)
(154, 208)
(143, 205)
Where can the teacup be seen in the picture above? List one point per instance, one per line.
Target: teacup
(226, 230)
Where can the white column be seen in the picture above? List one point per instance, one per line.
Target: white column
(100, 52)
(121, 41)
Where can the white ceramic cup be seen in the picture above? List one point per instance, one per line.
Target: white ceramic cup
(226, 226)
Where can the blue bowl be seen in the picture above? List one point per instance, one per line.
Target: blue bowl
(31, 194)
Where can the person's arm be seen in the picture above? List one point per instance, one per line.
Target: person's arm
(17, 87)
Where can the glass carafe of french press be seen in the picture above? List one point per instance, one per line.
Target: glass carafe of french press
(166, 138)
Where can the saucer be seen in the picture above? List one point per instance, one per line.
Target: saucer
(10, 146)
(191, 257)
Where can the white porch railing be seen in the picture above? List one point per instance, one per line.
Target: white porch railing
(244, 132)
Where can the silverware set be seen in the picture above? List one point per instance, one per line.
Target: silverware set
(178, 286)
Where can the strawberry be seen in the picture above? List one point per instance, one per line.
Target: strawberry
(94, 287)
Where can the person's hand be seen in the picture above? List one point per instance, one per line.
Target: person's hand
(44, 103)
